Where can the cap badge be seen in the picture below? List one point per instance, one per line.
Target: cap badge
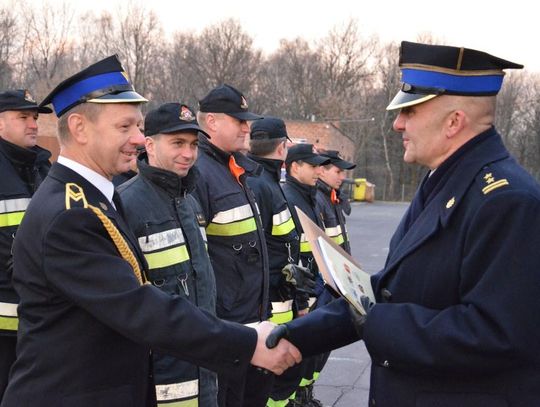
(244, 104)
(186, 114)
(450, 203)
(28, 97)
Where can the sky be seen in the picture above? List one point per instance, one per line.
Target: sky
(507, 29)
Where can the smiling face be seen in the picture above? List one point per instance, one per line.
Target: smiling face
(305, 173)
(174, 152)
(108, 142)
(19, 127)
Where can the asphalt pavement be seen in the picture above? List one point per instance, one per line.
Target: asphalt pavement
(344, 381)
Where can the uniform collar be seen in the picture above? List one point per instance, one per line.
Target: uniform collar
(104, 186)
(307, 191)
(24, 156)
(272, 166)
(167, 180)
(251, 167)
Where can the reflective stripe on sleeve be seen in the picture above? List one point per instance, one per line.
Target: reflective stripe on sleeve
(335, 231)
(282, 312)
(177, 391)
(338, 239)
(282, 223)
(232, 229)
(8, 316)
(305, 247)
(12, 211)
(233, 215)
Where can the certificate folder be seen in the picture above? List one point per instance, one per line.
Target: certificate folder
(338, 269)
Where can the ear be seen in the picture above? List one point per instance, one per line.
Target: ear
(78, 127)
(150, 146)
(211, 122)
(456, 122)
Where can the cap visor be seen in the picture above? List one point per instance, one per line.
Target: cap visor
(39, 109)
(403, 99)
(245, 116)
(184, 127)
(344, 165)
(316, 160)
(122, 97)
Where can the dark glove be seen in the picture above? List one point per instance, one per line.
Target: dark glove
(300, 277)
(358, 319)
(278, 333)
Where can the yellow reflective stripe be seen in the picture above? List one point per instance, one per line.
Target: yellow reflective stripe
(233, 215)
(166, 258)
(283, 229)
(8, 309)
(9, 323)
(11, 219)
(305, 247)
(168, 393)
(232, 229)
(281, 317)
(161, 240)
(14, 205)
(338, 239)
(184, 403)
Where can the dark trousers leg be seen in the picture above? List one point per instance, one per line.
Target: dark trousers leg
(7, 357)
(257, 387)
(231, 390)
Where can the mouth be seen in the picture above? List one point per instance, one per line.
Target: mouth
(130, 154)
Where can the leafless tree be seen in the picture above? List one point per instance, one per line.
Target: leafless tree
(8, 33)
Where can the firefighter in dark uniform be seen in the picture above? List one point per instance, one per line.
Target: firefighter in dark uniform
(169, 227)
(303, 167)
(455, 320)
(87, 320)
(23, 166)
(329, 198)
(236, 243)
(288, 280)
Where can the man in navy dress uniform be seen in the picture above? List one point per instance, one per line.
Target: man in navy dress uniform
(455, 321)
(87, 319)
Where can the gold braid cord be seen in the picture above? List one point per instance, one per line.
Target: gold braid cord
(75, 193)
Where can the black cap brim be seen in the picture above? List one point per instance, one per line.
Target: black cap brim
(316, 160)
(192, 128)
(404, 99)
(39, 109)
(342, 164)
(247, 116)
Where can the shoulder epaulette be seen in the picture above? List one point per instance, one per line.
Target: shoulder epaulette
(489, 180)
(75, 196)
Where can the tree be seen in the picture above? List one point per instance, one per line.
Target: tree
(8, 33)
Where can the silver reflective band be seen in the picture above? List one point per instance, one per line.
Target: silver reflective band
(281, 217)
(282, 306)
(161, 240)
(203, 233)
(252, 324)
(174, 391)
(233, 215)
(335, 231)
(8, 309)
(14, 205)
(303, 238)
(311, 301)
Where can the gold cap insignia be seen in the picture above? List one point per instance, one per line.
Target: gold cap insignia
(450, 203)
(186, 114)
(244, 104)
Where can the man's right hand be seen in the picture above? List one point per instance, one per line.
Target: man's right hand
(278, 359)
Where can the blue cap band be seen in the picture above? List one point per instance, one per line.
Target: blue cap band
(75, 92)
(484, 84)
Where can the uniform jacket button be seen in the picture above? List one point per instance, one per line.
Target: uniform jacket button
(236, 362)
(386, 363)
(386, 295)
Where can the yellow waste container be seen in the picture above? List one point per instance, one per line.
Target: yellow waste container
(359, 189)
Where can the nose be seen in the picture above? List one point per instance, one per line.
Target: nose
(32, 122)
(137, 137)
(399, 123)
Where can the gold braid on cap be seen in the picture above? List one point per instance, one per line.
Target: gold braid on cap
(76, 193)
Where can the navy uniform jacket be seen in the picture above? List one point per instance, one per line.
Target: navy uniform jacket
(457, 324)
(333, 216)
(86, 325)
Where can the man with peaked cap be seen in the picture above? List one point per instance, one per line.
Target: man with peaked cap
(236, 243)
(454, 323)
(303, 166)
(23, 166)
(169, 226)
(268, 147)
(328, 196)
(87, 318)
